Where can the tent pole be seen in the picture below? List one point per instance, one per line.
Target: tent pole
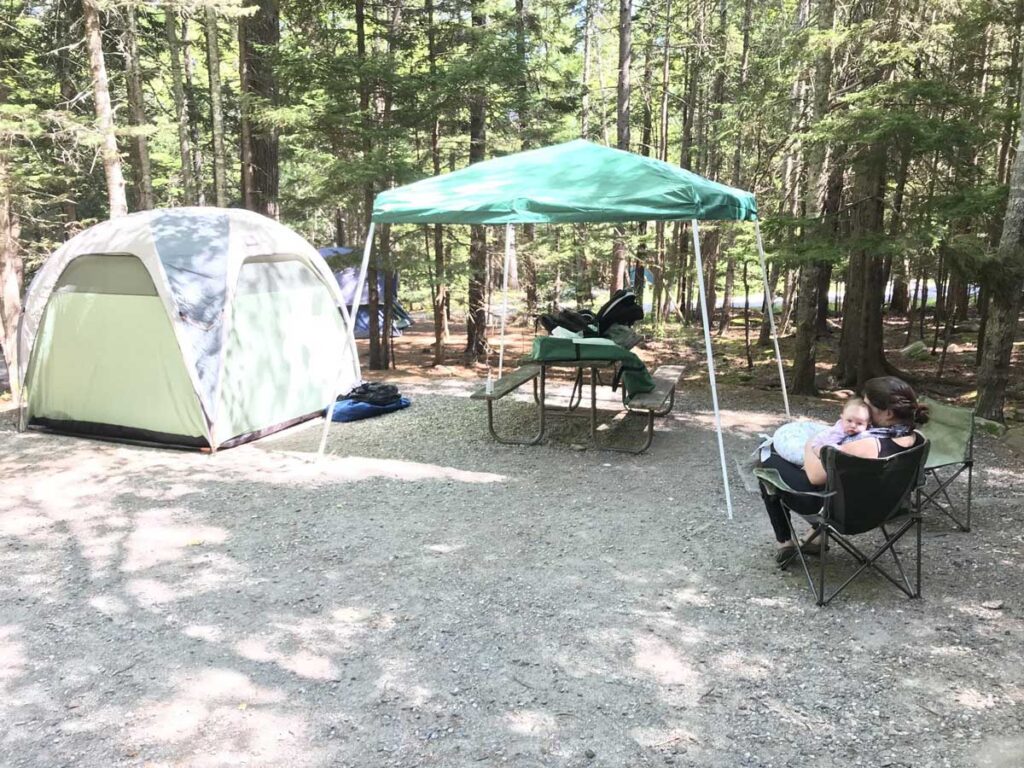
(769, 301)
(510, 235)
(349, 318)
(711, 364)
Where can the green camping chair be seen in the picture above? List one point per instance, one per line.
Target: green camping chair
(860, 495)
(950, 431)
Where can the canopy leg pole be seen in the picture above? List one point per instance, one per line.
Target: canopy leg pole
(711, 365)
(349, 318)
(769, 301)
(510, 238)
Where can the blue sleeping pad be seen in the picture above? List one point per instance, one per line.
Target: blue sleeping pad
(354, 410)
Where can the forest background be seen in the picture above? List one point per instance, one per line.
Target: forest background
(880, 139)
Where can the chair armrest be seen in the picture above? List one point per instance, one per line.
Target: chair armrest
(774, 479)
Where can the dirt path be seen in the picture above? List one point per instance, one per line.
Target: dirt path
(425, 597)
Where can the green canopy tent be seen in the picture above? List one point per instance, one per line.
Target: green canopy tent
(568, 183)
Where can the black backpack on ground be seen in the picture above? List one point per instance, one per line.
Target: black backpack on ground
(374, 393)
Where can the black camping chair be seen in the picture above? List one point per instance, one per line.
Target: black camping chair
(860, 495)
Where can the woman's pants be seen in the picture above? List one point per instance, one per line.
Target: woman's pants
(795, 478)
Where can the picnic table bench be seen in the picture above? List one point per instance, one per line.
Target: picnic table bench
(657, 402)
(507, 384)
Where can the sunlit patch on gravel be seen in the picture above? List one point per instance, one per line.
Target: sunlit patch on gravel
(530, 722)
(662, 662)
(974, 699)
(692, 596)
(207, 632)
(749, 667)
(109, 605)
(12, 655)
(950, 650)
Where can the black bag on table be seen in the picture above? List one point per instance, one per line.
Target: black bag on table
(577, 322)
(620, 309)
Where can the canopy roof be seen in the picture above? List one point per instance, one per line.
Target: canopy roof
(573, 182)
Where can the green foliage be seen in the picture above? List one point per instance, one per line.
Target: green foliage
(928, 84)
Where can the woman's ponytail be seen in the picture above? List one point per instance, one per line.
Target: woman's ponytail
(921, 414)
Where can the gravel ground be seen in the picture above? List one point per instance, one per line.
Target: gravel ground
(426, 597)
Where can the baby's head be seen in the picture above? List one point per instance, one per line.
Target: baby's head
(855, 417)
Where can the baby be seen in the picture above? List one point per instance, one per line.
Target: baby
(854, 421)
(789, 439)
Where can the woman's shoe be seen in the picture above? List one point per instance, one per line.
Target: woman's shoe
(812, 548)
(782, 554)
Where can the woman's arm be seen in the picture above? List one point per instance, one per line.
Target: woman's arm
(812, 464)
(867, 449)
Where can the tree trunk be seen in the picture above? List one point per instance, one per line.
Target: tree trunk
(11, 273)
(764, 335)
(861, 352)
(366, 124)
(66, 23)
(737, 167)
(141, 168)
(984, 303)
(181, 103)
(192, 111)
(522, 250)
(220, 179)
(1004, 312)
(623, 93)
(244, 121)
(805, 354)
(381, 352)
(104, 113)
(1013, 76)
(660, 246)
(824, 281)
(262, 32)
(387, 336)
(913, 306)
(588, 34)
(816, 203)
(476, 321)
(440, 266)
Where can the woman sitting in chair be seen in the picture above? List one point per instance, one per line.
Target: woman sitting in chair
(895, 413)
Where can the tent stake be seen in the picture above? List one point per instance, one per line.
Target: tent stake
(510, 236)
(349, 318)
(711, 364)
(769, 301)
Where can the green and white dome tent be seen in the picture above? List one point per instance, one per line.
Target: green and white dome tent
(197, 327)
(577, 181)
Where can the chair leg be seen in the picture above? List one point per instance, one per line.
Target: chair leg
(941, 489)
(917, 590)
(822, 556)
(798, 554)
(896, 560)
(970, 488)
(867, 562)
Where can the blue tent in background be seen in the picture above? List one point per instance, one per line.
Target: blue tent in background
(347, 279)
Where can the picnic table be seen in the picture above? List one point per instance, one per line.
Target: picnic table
(656, 402)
